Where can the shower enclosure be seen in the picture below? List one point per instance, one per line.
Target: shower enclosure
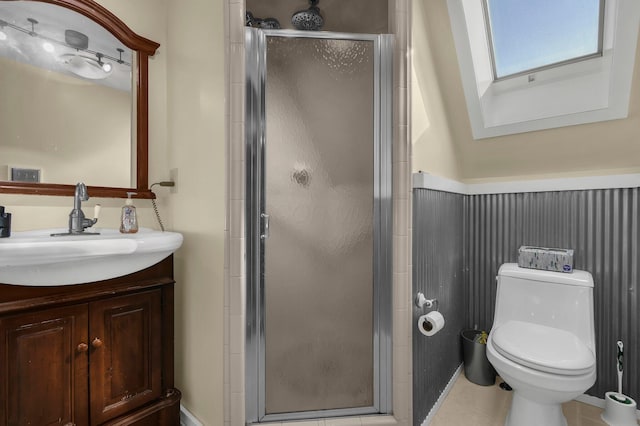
(318, 224)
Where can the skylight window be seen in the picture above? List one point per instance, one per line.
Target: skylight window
(530, 35)
(552, 85)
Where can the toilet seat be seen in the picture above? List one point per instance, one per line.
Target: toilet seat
(543, 348)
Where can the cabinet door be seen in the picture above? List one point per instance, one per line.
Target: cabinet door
(43, 362)
(126, 357)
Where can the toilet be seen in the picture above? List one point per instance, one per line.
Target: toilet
(542, 342)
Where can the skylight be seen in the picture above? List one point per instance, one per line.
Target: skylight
(529, 35)
(579, 89)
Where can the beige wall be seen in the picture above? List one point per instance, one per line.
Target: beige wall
(186, 126)
(609, 147)
(433, 147)
(196, 123)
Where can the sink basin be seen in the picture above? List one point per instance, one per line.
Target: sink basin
(35, 258)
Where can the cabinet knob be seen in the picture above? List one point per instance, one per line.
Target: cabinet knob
(82, 347)
(96, 343)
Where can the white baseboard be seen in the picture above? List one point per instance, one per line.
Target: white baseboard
(188, 419)
(427, 420)
(591, 400)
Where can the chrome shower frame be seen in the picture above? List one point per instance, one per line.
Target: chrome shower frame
(255, 226)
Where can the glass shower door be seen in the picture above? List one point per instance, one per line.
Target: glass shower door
(319, 204)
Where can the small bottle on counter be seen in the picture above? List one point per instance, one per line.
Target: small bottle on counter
(129, 219)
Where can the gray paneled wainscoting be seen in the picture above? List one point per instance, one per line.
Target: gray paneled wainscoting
(602, 226)
(438, 272)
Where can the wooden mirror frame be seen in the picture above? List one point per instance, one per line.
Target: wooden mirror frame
(143, 48)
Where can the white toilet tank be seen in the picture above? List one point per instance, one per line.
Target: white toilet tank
(555, 299)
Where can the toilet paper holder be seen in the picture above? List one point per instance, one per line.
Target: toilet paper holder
(421, 301)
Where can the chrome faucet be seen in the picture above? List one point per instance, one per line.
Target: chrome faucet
(77, 221)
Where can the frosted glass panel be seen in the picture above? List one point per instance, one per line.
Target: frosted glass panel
(318, 265)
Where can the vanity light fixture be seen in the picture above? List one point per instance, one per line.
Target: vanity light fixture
(86, 66)
(106, 67)
(33, 27)
(76, 39)
(85, 62)
(48, 47)
(120, 51)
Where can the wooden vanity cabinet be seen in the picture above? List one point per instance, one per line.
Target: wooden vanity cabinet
(89, 354)
(44, 377)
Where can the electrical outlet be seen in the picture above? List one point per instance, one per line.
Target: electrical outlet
(173, 177)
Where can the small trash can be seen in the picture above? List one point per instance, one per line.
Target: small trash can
(477, 368)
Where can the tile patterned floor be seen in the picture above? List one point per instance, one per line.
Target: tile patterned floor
(469, 404)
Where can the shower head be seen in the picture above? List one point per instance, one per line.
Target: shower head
(265, 24)
(308, 19)
(270, 24)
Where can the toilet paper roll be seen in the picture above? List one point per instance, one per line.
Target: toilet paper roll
(430, 323)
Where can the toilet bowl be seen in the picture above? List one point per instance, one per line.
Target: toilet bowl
(542, 342)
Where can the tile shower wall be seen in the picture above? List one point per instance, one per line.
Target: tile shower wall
(438, 272)
(602, 226)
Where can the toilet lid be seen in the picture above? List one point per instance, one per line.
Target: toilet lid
(543, 348)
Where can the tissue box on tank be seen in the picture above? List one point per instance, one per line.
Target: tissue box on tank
(548, 259)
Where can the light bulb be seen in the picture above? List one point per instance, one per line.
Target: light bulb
(48, 47)
(106, 67)
(3, 36)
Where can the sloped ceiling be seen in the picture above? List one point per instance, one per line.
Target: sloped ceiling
(442, 138)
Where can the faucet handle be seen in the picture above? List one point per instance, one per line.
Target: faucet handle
(96, 211)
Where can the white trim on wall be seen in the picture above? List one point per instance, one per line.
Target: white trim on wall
(428, 181)
(188, 419)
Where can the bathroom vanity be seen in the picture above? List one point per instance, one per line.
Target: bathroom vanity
(86, 318)
(99, 353)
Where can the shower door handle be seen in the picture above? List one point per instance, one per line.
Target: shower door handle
(265, 222)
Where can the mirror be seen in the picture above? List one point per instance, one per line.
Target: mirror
(74, 105)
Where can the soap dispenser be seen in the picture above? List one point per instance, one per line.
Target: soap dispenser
(129, 219)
